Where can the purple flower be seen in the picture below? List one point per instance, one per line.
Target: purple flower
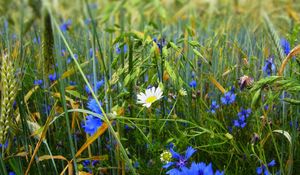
(160, 43)
(38, 82)
(193, 84)
(228, 98)
(269, 66)
(99, 84)
(118, 49)
(181, 160)
(93, 106)
(4, 145)
(213, 107)
(197, 169)
(91, 124)
(52, 77)
(285, 46)
(263, 169)
(37, 40)
(244, 113)
(66, 25)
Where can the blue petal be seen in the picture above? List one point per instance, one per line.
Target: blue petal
(272, 163)
(208, 170)
(259, 170)
(174, 172)
(166, 166)
(189, 152)
(219, 172)
(174, 154)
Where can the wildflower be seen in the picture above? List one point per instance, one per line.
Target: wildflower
(181, 162)
(193, 84)
(165, 157)
(182, 92)
(99, 84)
(269, 66)
(244, 113)
(91, 52)
(160, 43)
(70, 59)
(93, 106)
(86, 165)
(38, 82)
(228, 98)
(285, 46)
(52, 77)
(263, 169)
(214, 106)
(245, 81)
(199, 169)
(118, 49)
(136, 164)
(72, 83)
(4, 145)
(37, 40)
(150, 96)
(11, 173)
(91, 124)
(63, 52)
(66, 25)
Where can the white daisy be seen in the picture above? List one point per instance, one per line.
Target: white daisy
(150, 96)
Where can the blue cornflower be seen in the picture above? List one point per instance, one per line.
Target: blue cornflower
(244, 113)
(136, 164)
(263, 169)
(38, 82)
(269, 66)
(87, 21)
(4, 145)
(213, 107)
(272, 163)
(66, 25)
(294, 124)
(99, 84)
(228, 98)
(11, 173)
(37, 40)
(239, 123)
(91, 52)
(70, 59)
(72, 83)
(93, 106)
(160, 43)
(91, 124)
(63, 52)
(193, 84)
(199, 169)
(86, 165)
(52, 77)
(285, 46)
(242, 116)
(118, 49)
(181, 162)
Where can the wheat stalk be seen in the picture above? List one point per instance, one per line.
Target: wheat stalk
(8, 94)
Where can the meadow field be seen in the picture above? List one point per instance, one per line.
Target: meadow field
(150, 87)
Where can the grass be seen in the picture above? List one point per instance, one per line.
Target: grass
(131, 46)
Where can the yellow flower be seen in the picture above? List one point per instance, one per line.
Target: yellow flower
(150, 96)
(165, 157)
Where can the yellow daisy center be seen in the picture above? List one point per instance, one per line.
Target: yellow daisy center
(151, 99)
